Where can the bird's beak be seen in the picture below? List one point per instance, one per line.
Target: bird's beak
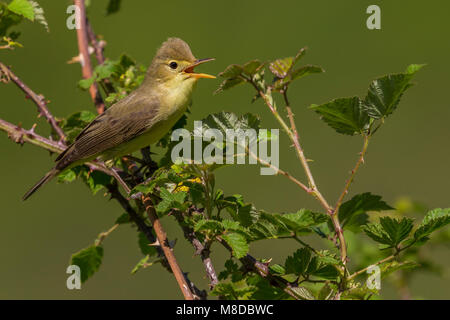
(190, 69)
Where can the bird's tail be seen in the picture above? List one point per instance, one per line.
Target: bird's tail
(52, 173)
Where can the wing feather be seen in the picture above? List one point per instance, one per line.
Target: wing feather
(121, 123)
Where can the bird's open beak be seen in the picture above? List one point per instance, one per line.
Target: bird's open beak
(190, 69)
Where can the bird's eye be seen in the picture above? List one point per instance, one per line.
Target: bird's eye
(173, 65)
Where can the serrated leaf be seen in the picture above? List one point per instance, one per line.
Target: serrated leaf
(303, 219)
(208, 225)
(299, 261)
(96, 180)
(23, 8)
(232, 71)
(281, 67)
(389, 231)
(345, 115)
(228, 84)
(353, 213)
(67, 176)
(303, 293)
(88, 260)
(228, 120)
(434, 220)
(304, 71)
(251, 67)
(237, 242)
(171, 201)
(384, 93)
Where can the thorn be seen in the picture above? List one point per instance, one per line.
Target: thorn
(155, 244)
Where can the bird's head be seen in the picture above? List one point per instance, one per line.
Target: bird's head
(174, 65)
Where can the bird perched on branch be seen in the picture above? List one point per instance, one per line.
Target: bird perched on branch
(140, 119)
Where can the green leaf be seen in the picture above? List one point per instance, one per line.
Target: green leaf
(434, 220)
(88, 260)
(213, 226)
(67, 176)
(251, 67)
(228, 120)
(345, 115)
(146, 247)
(389, 231)
(113, 6)
(237, 242)
(385, 93)
(171, 201)
(228, 84)
(23, 8)
(232, 71)
(302, 220)
(73, 125)
(282, 67)
(96, 180)
(123, 218)
(353, 213)
(298, 263)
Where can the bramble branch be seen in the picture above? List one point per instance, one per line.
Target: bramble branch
(353, 173)
(39, 100)
(85, 59)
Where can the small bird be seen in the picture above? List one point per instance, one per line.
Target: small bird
(140, 119)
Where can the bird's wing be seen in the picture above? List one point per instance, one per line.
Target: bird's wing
(129, 118)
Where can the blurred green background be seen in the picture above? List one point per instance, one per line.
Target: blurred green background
(408, 157)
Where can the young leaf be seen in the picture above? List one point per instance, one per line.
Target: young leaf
(389, 231)
(237, 242)
(433, 220)
(23, 8)
(345, 115)
(298, 263)
(170, 201)
(89, 261)
(353, 212)
(385, 93)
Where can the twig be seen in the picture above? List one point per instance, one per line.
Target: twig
(20, 135)
(372, 265)
(164, 243)
(39, 100)
(200, 249)
(293, 135)
(353, 173)
(252, 264)
(85, 60)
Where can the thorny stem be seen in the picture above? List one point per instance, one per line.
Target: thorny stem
(164, 243)
(357, 273)
(39, 100)
(85, 59)
(200, 249)
(353, 173)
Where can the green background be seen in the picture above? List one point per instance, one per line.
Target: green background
(408, 157)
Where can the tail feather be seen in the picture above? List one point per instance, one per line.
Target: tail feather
(52, 173)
